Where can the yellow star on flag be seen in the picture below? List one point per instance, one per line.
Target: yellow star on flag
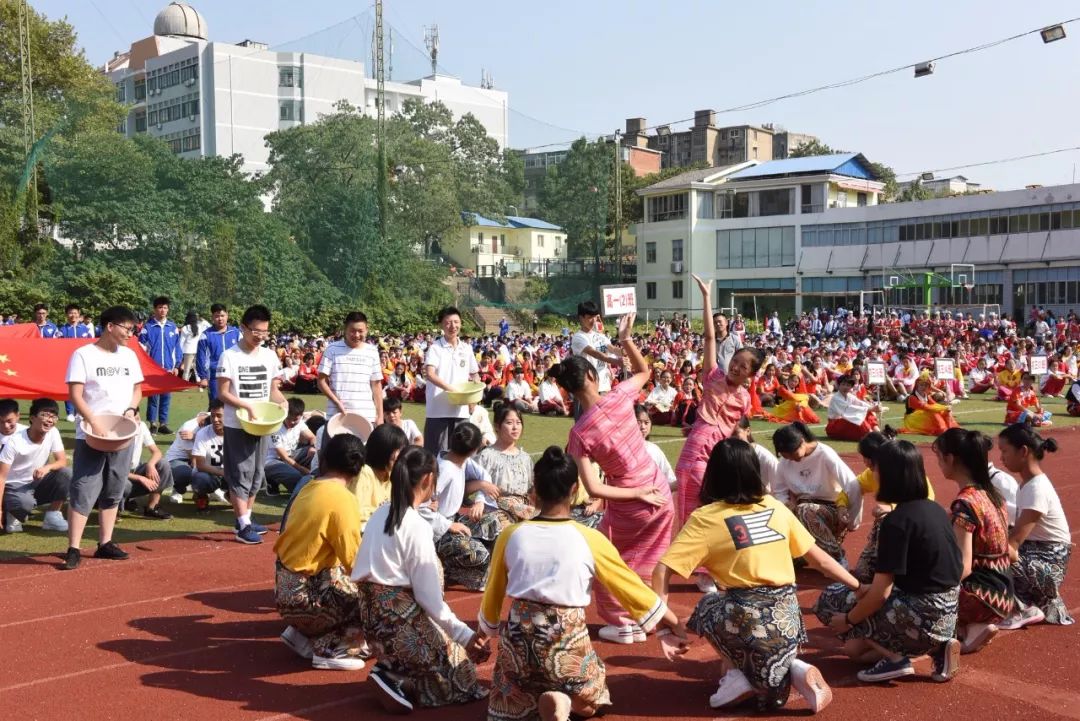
(3, 359)
(10, 372)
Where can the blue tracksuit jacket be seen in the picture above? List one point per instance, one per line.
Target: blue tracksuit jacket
(162, 343)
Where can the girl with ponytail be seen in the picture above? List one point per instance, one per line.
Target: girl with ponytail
(399, 587)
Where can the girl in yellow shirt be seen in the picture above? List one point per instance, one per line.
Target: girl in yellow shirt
(372, 486)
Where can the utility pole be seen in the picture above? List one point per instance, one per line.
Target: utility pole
(380, 105)
(26, 75)
(618, 209)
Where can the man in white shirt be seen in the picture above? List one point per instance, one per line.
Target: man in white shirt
(519, 393)
(594, 346)
(448, 362)
(179, 454)
(27, 477)
(207, 455)
(350, 374)
(727, 343)
(291, 450)
(248, 373)
(103, 377)
(150, 479)
(9, 420)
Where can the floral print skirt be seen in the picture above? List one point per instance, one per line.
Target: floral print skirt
(322, 606)
(910, 624)
(408, 643)
(827, 523)
(759, 629)
(1038, 576)
(544, 648)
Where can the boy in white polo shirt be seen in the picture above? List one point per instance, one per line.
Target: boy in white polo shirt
(102, 377)
(247, 373)
(27, 477)
(449, 361)
(350, 374)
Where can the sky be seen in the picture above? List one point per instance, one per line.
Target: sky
(583, 67)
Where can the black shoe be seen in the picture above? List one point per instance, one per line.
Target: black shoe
(111, 552)
(157, 513)
(72, 559)
(164, 430)
(153, 427)
(131, 505)
(389, 691)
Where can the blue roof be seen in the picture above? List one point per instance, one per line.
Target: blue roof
(853, 165)
(520, 222)
(513, 221)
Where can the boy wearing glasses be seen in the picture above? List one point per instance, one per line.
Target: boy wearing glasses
(247, 373)
(27, 477)
(102, 377)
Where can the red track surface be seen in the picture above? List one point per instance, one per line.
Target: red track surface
(187, 630)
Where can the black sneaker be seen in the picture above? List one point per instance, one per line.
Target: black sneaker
(946, 661)
(153, 427)
(389, 691)
(164, 430)
(71, 559)
(111, 552)
(157, 513)
(131, 505)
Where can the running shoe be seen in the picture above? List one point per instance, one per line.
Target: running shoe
(886, 670)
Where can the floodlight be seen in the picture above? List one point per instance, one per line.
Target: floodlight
(1052, 33)
(924, 69)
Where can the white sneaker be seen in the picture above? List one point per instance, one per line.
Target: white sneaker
(341, 661)
(298, 642)
(618, 634)
(734, 687)
(1024, 617)
(54, 521)
(70, 418)
(13, 526)
(176, 498)
(553, 706)
(220, 495)
(705, 583)
(810, 684)
(977, 636)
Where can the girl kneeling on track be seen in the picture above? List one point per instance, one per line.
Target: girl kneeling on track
(747, 540)
(425, 652)
(1040, 541)
(910, 608)
(810, 477)
(315, 552)
(981, 524)
(546, 662)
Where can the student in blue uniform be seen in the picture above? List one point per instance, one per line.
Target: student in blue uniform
(74, 328)
(161, 339)
(214, 341)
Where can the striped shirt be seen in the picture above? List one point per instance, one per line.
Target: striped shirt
(351, 372)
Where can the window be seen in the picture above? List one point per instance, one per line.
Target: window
(841, 199)
(121, 92)
(860, 200)
(290, 77)
(733, 134)
(540, 241)
(755, 248)
(676, 251)
(775, 202)
(667, 207)
(813, 198)
(291, 110)
(650, 291)
(502, 241)
(140, 122)
(140, 89)
(705, 204)
(650, 252)
(676, 289)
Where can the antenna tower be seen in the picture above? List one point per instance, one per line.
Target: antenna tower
(26, 75)
(380, 105)
(431, 42)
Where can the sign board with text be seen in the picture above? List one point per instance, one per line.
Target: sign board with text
(875, 373)
(618, 299)
(1037, 365)
(944, 369)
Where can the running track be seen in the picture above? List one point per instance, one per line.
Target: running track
(187, 630)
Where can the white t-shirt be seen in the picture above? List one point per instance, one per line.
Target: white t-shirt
(4, 439)
(108, 378)
(24, 456)
(208, 445)
(822, 475)
(600, 343)
(412, 431)
(180, 450)
(250, 375)
(1038, 494)
(1007, 486)
(189, 344)
(661, 462)
(453, 365)
(518, 390)
(768, 463)
(350, 372)
(287, 439)
(145, 440)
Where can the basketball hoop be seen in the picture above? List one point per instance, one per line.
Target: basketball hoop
(969, 286)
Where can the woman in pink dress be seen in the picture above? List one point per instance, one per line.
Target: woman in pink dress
(639, 512)
(724, 402)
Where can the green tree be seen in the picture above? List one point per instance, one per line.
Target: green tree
(915, 190)
(575, 196)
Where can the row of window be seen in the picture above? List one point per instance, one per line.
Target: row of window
(677, 289)
(185, 71)
(963, 225)
(755, 247)
(667, 207)
(187, 106)
(184, 142)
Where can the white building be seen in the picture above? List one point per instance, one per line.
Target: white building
(955, 185)
(214, 98)
(790, 235)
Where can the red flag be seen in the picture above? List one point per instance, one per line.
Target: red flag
(20, 330)
(36, 367)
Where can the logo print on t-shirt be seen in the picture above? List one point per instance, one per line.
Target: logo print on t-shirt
(752, 529)
(252, 381)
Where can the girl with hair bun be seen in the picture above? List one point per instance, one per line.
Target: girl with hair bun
(981, 524)
(639, 511)
(546, 665)
(1040, 542)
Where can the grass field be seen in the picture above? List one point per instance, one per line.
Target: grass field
(981, 414)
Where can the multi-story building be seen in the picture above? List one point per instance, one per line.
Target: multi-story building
(784, 142)
(520, 245)
(643, 161)
(956, 185)
(213, 98)
(790, 235)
